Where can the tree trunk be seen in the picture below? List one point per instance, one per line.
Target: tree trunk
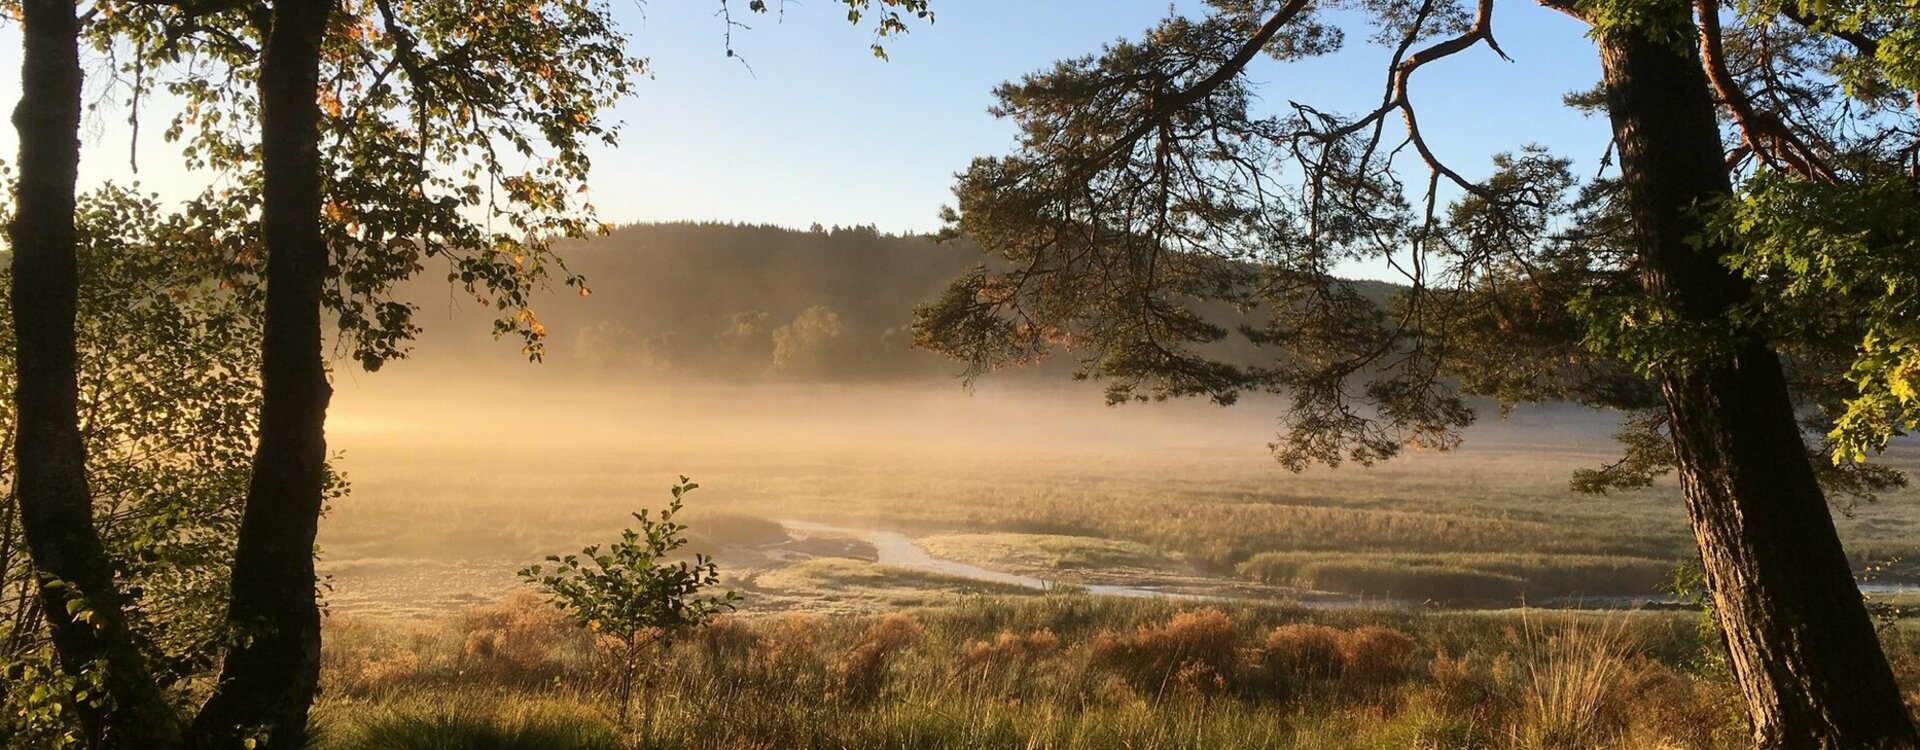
(84, 608)
(269, 678)
(1803, 648)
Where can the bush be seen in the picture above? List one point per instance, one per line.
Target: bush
(1011, 648)
(635, 592)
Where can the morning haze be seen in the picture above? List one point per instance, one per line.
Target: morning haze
(1233, 374)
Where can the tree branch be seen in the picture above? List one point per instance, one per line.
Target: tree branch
(1763, 133)
(1161, 109)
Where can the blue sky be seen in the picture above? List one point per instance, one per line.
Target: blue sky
(820, 131)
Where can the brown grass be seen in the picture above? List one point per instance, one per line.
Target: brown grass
(860, 673)
(1192, 652)
(1087, 673)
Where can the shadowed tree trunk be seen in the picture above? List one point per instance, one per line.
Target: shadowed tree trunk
(1803, 648)
(269, 678)
(84, 609)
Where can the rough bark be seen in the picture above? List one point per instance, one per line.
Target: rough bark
(269, 678)
(1803, 648)
(84, 608)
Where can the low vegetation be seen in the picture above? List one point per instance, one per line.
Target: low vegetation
(1060, 671)
(840, 585)
(1468, 577)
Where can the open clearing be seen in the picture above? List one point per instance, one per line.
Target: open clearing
(1043, 484)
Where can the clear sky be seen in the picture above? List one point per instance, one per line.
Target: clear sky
(820, 131)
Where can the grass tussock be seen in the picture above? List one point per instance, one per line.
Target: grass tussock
(1062, 672)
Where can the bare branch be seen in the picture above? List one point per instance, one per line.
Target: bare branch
(1762, 133)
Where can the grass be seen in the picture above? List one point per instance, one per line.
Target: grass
(1463, 576)
(842, 585)
(439, 519)
(1068, 672)
(1046, 552)
(435, 525)
(442, 724)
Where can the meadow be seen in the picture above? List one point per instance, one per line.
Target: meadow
(1058, 671)
(455, 490)
(1457, 600)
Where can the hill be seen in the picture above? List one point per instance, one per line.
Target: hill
(739, 303)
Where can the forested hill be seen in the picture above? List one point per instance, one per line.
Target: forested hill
(732, 303)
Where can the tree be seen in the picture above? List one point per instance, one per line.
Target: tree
(1150, 212)
(635, 592)
(82, 605)
(807, 345)
(269, 677)
(333, 234)
(167, 397)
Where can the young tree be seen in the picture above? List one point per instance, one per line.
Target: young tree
(635, 592)
(1149, 211)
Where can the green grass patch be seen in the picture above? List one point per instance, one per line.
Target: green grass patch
(1046, 552)
(1462, 577)
(446, 722)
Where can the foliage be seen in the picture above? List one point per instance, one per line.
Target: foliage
(1176, 238)
(168, 391)
(455, 134)
(634, 586)
(633, 590)
(1840, 261)
(807, 343)
(429, 112)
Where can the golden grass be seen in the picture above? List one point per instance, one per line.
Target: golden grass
(1078, 673)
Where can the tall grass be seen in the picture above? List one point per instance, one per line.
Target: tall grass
(1066, 672)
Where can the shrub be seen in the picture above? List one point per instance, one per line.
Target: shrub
(1012, 648)
(1460, 686)
(633, 592)
(787, 658)
(725, 640)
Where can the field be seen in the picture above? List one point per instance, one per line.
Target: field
(922, 569)
(455, 489)
(1057, 671)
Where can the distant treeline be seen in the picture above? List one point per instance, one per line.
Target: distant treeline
(733, 302)
(738, 302)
